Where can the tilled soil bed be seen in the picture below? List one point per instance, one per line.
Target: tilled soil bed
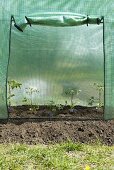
(33, 131)
(46, 132)
(61, 112)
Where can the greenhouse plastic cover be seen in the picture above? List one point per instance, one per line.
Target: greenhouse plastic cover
(58, 20)
(54, 59)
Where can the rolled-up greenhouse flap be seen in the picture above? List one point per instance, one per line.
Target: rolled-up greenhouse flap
(59, 20)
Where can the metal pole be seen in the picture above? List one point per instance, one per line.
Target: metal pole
(8, 65)
(104, 62)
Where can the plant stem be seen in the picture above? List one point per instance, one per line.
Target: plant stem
(72, 99)
(99, 97)
(9, 95)
(31, 98)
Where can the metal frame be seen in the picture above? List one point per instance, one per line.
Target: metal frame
(10, 28)
(50, 118)
(104, 64)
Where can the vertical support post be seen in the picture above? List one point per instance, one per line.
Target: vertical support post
(11, 19)
(104, 62)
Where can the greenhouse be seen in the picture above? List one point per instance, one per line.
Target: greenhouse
(56, 60)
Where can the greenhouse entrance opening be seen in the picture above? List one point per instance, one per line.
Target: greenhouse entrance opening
(56, 72)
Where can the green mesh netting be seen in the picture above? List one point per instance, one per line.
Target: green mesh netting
(57, 58)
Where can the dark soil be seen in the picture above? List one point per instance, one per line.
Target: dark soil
(33, 131)
(79, 112)
(57, 131)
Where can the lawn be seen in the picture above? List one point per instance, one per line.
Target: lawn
(64, 156)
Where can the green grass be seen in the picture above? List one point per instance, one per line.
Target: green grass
(64, 156)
